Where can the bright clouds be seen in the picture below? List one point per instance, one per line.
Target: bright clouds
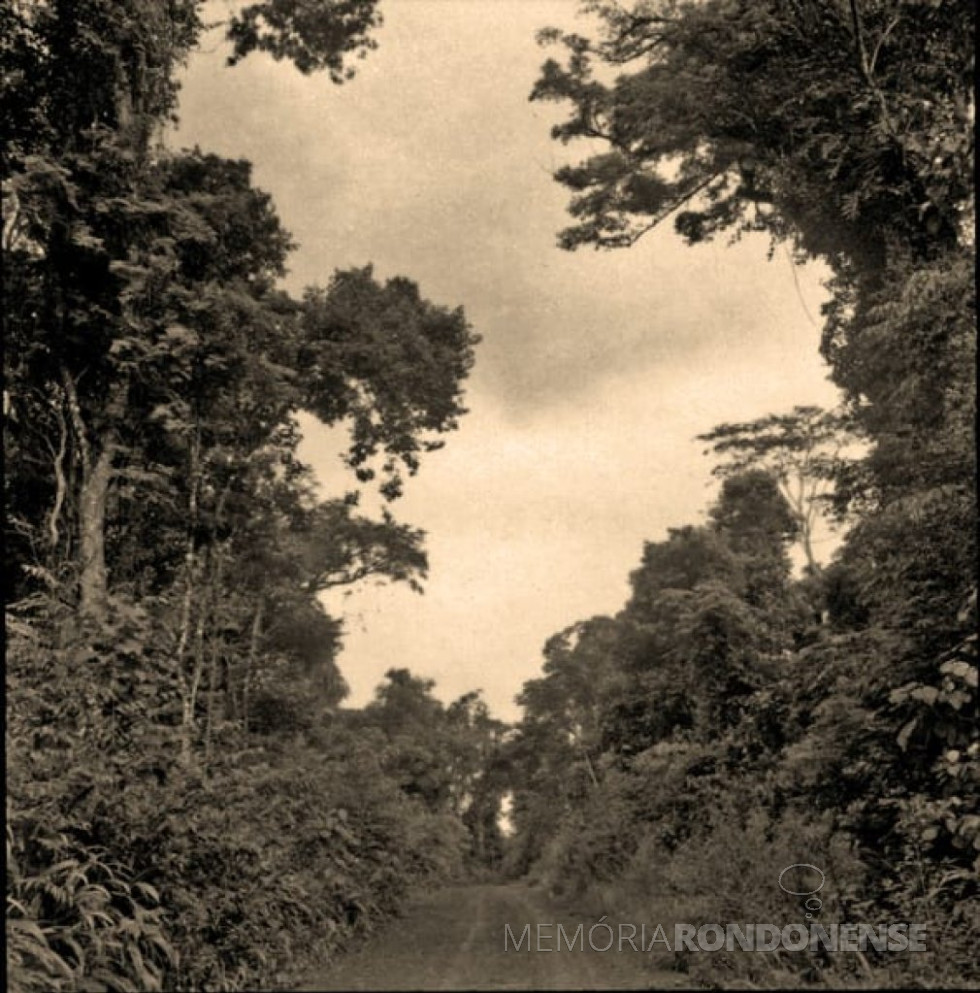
(596, 369)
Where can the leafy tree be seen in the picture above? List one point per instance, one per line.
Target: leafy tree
(332, 547)
(413, 723)
(171, 670)
(814, 119)
(758, 523)
(479, 776)
(313, 34)
(846, 131)
(389, 362)
(77, 67)
(821, 123)
(108, 241)
(577, 664)
(689, 556)
(802, 451)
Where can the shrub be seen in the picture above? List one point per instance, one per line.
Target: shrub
(130, 870)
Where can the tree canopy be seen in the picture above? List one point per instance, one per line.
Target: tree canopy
(741, 708)
(185, 801)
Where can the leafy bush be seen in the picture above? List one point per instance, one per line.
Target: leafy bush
(77, 919)
(132, 871)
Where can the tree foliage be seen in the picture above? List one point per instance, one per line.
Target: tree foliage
(743, 709)
(316, 35)
(821, 120)
(805, 452)
(187, 809)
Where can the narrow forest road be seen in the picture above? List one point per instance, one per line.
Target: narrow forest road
(454, 940)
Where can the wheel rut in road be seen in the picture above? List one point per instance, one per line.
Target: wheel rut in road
(455, 940)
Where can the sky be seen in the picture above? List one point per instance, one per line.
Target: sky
(596, 369)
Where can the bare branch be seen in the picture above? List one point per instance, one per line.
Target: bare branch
(884, 34)
(865, 67)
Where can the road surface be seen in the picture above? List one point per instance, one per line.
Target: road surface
(454, 940)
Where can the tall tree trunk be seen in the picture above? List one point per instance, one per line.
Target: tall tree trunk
(589, 767)
(186, 699)
(229, 711)
(61, 481)
(801, 505)
(812, 564)
(196, 676)
(480, 841)
(93, 582)
(213, 669)
(189, 682)
(253, 653)
(217, 558)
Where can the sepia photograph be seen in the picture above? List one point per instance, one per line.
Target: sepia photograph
(490, 495)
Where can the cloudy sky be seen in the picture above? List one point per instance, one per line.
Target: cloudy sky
(595, 372)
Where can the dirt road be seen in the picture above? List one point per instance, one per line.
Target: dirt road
(455, 940)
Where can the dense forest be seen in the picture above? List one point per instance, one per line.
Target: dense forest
(189, 807)
(735, 718)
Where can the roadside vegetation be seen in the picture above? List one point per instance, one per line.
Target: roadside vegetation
(735, 719)
(188, 807)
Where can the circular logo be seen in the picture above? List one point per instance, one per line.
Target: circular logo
(801, 865)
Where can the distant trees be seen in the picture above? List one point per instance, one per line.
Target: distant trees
(804, 452)
(446, 756)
